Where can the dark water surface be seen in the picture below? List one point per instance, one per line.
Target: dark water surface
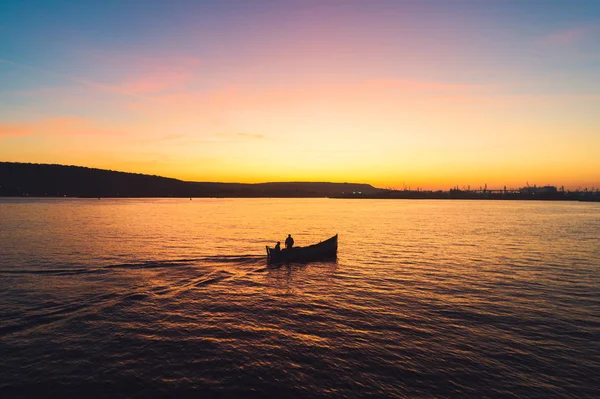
(172, 297)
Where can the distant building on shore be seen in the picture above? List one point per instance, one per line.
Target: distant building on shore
(545, 190)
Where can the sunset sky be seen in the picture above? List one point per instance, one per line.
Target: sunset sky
(429, 94)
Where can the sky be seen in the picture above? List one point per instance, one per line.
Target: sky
(399, 94)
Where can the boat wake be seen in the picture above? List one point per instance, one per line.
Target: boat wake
(173, 279)
(242, 260)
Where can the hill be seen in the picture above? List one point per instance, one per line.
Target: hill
(41, 180)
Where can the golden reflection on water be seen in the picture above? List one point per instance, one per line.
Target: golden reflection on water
(462, 292)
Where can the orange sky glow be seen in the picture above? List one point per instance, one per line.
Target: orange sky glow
(392, 94)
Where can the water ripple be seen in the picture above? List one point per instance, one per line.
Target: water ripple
(426, 299)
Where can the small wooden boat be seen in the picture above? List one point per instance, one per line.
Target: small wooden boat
(322, 251)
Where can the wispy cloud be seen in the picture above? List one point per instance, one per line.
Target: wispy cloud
(164, 138)
(224, 138)
(58, 127)
(253, 136)
(191, 139)
(155, 82)
(77, 80)
(570, 36)
(421, 85)
(154, 75)
(15, 130)
(145, 76)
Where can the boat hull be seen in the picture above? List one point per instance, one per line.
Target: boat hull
(325, 250)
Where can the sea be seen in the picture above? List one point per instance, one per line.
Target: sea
(144, 298)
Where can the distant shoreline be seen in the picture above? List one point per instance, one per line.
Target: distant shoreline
(445, 195)
(60, 181)
(473, 199)
(314, 197)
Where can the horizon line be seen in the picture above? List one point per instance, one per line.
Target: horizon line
(405, 188)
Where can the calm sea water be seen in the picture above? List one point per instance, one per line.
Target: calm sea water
(172, 297)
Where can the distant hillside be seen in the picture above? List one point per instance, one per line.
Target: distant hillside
(40, 180)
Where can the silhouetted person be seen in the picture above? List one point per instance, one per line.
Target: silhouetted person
(277, 247)
(289, 241)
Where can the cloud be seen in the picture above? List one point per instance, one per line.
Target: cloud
(420, 85)
(160, 74)
(58, 127)
(155, 82)
(226, 138)
(570, 36)
(192, 139)
(253, 136)
(73, 79)
(15, 130)
(145, 75)
(165, 138)
(149, 74)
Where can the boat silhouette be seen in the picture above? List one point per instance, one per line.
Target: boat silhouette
(323, 250)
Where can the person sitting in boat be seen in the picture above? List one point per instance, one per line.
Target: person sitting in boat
(289, 241)
(277, 247)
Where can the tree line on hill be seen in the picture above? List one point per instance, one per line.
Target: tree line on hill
(48, 180)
